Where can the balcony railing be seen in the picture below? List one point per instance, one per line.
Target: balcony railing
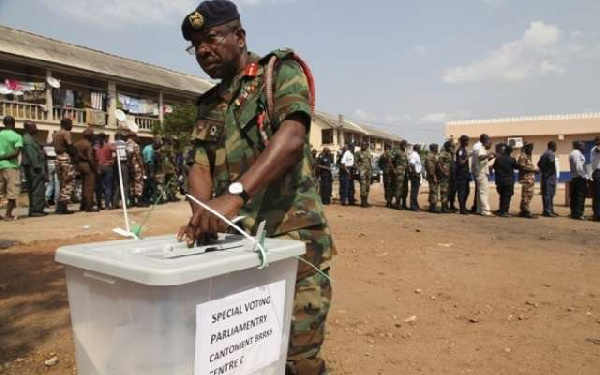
(75, 114)
(146, 123)
(23, 111)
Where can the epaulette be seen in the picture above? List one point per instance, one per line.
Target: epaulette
(281, 54)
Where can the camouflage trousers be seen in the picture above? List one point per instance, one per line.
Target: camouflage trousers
(434, 191)
(66, 177)
(527, 191)
(399, 184)
(136, 187)
(365, 184)
(388, 186)
(444, 192)
(171, 185)
(311, 303)
(159, 179)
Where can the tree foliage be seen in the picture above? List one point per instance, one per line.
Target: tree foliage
(179, 123)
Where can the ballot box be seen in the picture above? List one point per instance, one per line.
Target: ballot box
(155, 307)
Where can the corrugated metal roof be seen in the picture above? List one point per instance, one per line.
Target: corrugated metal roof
(36, 47)
(353, 126)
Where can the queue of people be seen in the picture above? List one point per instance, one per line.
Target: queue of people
(154, 174)
(450, 172)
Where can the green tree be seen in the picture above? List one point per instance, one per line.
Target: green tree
(179, 123)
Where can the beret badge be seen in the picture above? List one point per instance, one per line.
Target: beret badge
(196, 20)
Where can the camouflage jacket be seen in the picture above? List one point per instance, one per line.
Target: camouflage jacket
(400, 161)
(134, 153)
(527, 170)
(444, 165)
(431, 166)
(362, 161)
(167, 159)
(385, 163)
(232, 130)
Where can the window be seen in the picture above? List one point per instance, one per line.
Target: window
(327, 136)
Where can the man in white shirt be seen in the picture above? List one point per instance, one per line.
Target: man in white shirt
(595, 161)
(482, 173)
(346, 175)
(474, 172)
(578, 180)
(414, 168)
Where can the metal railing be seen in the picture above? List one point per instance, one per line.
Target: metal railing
(23, 111)
(75, 114)
(146, 123)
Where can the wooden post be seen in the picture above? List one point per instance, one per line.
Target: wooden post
(49, 101)
(161, 103)
(112, 105)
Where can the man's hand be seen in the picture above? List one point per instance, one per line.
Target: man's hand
(204, 225)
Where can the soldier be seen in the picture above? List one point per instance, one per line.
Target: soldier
(65, 153)
(34, 164)
(169, 168)
(452, 194)
(387, 168)
(444, 172)
(463, 174)
(87, 166)
(400, 165)
(527, 172)
(136, 171)
(431, 162)
(365, 173)
(260, 169)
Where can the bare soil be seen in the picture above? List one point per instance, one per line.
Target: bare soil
(414, 292)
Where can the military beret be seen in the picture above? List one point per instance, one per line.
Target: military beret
(209, 14)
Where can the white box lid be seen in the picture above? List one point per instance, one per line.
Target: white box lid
(164, 261)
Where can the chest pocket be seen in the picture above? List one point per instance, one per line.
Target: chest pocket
(254, 123)
(210, 123)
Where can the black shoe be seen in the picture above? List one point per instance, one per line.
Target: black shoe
(62, 209)
(548, 214)
(526, 215)
(92, 210)
(37, 214)
(464, 212)
(555, 214)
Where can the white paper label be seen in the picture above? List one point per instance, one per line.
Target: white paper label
(242, 333)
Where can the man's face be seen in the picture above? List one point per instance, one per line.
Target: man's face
(218, 50)
(487, 144)
(464, 143)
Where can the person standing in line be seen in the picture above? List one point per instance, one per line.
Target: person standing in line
(106, 164)
(504, 168)
(452, 190)
(11, 144)
(52, 187)
(385, 164)
(364, 167)
(415, 168)
(65, 157)
(98, 144)
(34, 164)
(169, 166)
(484, 156)
(595, 162)
(444, 172)
(324, 163)
(431, 162)
(346, 178)
(400, 172)
(475, 172)
(463, 174)
(149, 154)
(136, 171)
(527, 172)
(547, 167)
(120, 148)
(87, 166)
(579, 179)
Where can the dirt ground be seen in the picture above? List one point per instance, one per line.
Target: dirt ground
(414, 293)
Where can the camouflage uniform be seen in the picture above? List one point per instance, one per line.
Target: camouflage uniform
(170, 171)
(434, 185)
(527, 179)
(400, 163)
(387, 168)
(444, 168)
(362, 161)
(136, 169)
(232, 130)
(64, 166)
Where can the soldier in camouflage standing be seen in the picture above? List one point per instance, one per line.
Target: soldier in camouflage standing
(252, 158)
(387, 168)
(527, 172)
(400, 165)
(431, 163)
(136, 171)
(169, 166)
(364, 166)
(65, 153)
(444, 173)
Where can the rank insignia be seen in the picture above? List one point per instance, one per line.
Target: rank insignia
(251, 70)
(196, 20)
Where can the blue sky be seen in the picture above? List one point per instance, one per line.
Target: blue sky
(406, 66)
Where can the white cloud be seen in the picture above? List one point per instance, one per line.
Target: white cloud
(539, 52)
(443, 117)
(121, 13)
(367, 117)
